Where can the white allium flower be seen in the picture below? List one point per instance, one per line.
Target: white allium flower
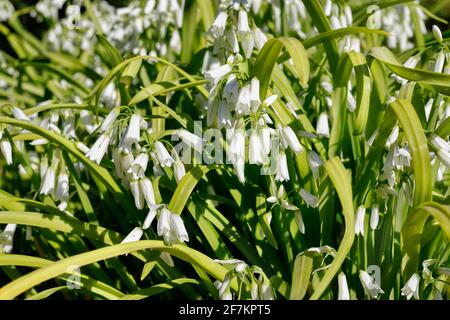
(289, 138)
(62, 189)
(100, 147)
(232, 40)
(191, 139)
(323, 128)
(437, 33)
(411, 287)
(255, 102)
(19, 114)
(109, 120)
(6, 238)
(178, 169)
(343, 293)
(231, 89)
(224, 115)
(359, 221)
(260, 38)
(369, 284)
(374, 216)
(6, 10)
(48, 183)
(237, 145)
(255, 150)
(439, 64)
(270, 100)
(171, 227)
(133, 133)
(164, 157)
(243, 103)
(310, 199)
(214, 75)
(5, 147)
(282, 173)
(138, 166)
(134, 235)
(153, 209)
(243, 27)
(315, 162)
(147, 191)
(137, 194)
(299, 221)
(218, 27)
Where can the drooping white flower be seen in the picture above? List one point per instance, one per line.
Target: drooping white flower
(243, 26)
(299, 221)
(427, 274)
(393, 136)
(310, 199)
(260, 38)
(138, 166)
(270, 100)
(171, 227)
(248, 42)
(218, 27)
(5, 147)
(223, 287)
(179, 170)
(265, 134)
(369, 284)
(437, 33)
(232, 40)
(439, 143)
(147, 191)
(315, 162)
(289, 138)
(255, 102)
(343, 293)
(282, 173)
(237, 145)
(164, 157)
(134, 235)
(239, 167)
(109, 120)
(214, 75)
(48, 183)
(191, 139)
(19, 114)
(439, 64)
(255, 151)
(6, 10)
(62, 189)
(359, 222)
(243, 101)
(153, 209)
(231, 89)
(224, 115)
(323, 128)
(6, 238)
(98, 150)
(137, 194)
(411, 287)
(133, 133)
(374, 216)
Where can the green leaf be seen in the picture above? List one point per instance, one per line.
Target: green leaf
(267, 57)
(158, 288)
(28, 281)
(439, 81)
(185, 188)
(341, 181)
(301, 273)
